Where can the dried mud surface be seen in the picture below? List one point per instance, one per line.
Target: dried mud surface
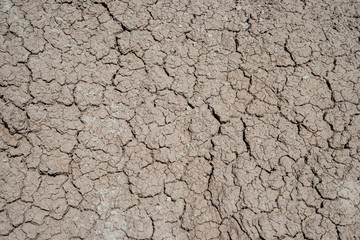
(179, 119)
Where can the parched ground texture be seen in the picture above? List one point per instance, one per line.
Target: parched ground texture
(181, 119)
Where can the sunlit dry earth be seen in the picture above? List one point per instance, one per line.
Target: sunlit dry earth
(182, 119)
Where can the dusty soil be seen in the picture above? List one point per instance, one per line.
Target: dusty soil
(179, 119)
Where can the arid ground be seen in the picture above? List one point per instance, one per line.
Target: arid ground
(184, 119)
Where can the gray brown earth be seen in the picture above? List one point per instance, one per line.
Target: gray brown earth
(182, 119)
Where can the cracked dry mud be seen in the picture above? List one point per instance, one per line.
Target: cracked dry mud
(179, 119)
